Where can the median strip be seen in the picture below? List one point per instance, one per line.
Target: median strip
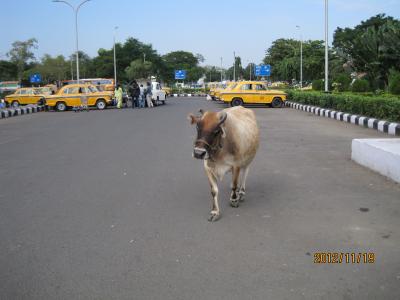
(23, 110)
(391, 128)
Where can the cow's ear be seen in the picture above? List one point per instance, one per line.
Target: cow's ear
(192, 118)
(222, 117)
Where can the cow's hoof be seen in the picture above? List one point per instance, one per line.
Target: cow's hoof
(241, 197)
(234, 202)
(214, 216)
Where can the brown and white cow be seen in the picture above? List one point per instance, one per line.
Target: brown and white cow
(227, 141)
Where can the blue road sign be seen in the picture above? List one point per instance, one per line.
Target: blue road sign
(35, 78)
(262, 70)
(180, 74)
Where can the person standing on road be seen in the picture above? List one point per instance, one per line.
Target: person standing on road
(135, 94)
(148, 94)
(141, 96)
(118, 96)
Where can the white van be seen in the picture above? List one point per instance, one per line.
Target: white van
(158, 94)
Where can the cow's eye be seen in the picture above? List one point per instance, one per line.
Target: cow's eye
(217, 131)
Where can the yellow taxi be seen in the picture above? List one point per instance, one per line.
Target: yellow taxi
(228, 86)
(253, 92)
(23, 96)
(74, 95)
(167, 90)
(212, 86)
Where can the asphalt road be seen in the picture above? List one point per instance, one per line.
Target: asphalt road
(111, 205)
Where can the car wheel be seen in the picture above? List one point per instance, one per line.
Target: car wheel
(276, 102)
(14, 104)
(101, 104)
(61, 106)
(236, 102)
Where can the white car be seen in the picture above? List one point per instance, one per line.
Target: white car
(159, 96)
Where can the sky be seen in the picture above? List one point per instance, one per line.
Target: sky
(213, 28)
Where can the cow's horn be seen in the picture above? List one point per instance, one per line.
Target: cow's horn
(222, 117)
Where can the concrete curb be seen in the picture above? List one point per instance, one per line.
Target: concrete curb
(380, 125)
(188, 95)
(23, 110)
(380, 155)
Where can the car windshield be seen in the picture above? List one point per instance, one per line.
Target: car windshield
(260, 87)
(93, 89)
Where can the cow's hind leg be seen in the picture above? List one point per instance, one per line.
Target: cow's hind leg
(215, 212)
(242, 190)
(235, 194)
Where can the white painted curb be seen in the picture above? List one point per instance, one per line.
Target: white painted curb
(380, 155)
(380, 125)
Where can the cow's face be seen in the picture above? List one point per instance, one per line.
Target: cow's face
(209, 131)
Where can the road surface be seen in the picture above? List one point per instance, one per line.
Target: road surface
(111, 205)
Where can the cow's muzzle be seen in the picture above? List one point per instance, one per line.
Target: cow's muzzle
(199, 153)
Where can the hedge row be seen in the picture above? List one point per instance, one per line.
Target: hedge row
(189, 91)
(380, 107)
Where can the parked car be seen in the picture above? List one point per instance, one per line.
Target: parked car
(23, 96)
(229, 86)
(159, 95)
(72, 95)
(167, 90)
(253, 92)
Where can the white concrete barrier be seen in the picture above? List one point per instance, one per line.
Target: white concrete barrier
(380, 155)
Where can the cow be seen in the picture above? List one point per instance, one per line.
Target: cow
(226, 141)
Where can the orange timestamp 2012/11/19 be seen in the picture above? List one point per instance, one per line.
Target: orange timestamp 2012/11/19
(344, 257)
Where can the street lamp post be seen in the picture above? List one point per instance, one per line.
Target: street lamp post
(221, 69)
(76, 10)
(301, 57)
(326, 47)
(250, 70)
(234, 66)
(115, 59)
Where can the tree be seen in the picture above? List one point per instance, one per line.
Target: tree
(21, 54)
(213, 73)
(284, 58)
(239, 71)
(182, 60)
(103, 64)
(86, 69)
(372, 46)
(8, 70)
(139, 69)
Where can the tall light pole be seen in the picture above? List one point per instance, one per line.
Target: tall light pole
(221, 69)
(301, 57)
(326, 47)
(234, 66)
(250, 70)
(115, 59)
(76, 10)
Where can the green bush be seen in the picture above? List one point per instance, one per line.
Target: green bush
(189, 91)
(342, 82)
(380, 107)
(318, 85)
(394, 82)
(360, 86)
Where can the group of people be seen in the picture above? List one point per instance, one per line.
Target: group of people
(140, 96)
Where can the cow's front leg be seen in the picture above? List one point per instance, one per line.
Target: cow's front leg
(215, 212)
(234, 194)
(242, 190)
